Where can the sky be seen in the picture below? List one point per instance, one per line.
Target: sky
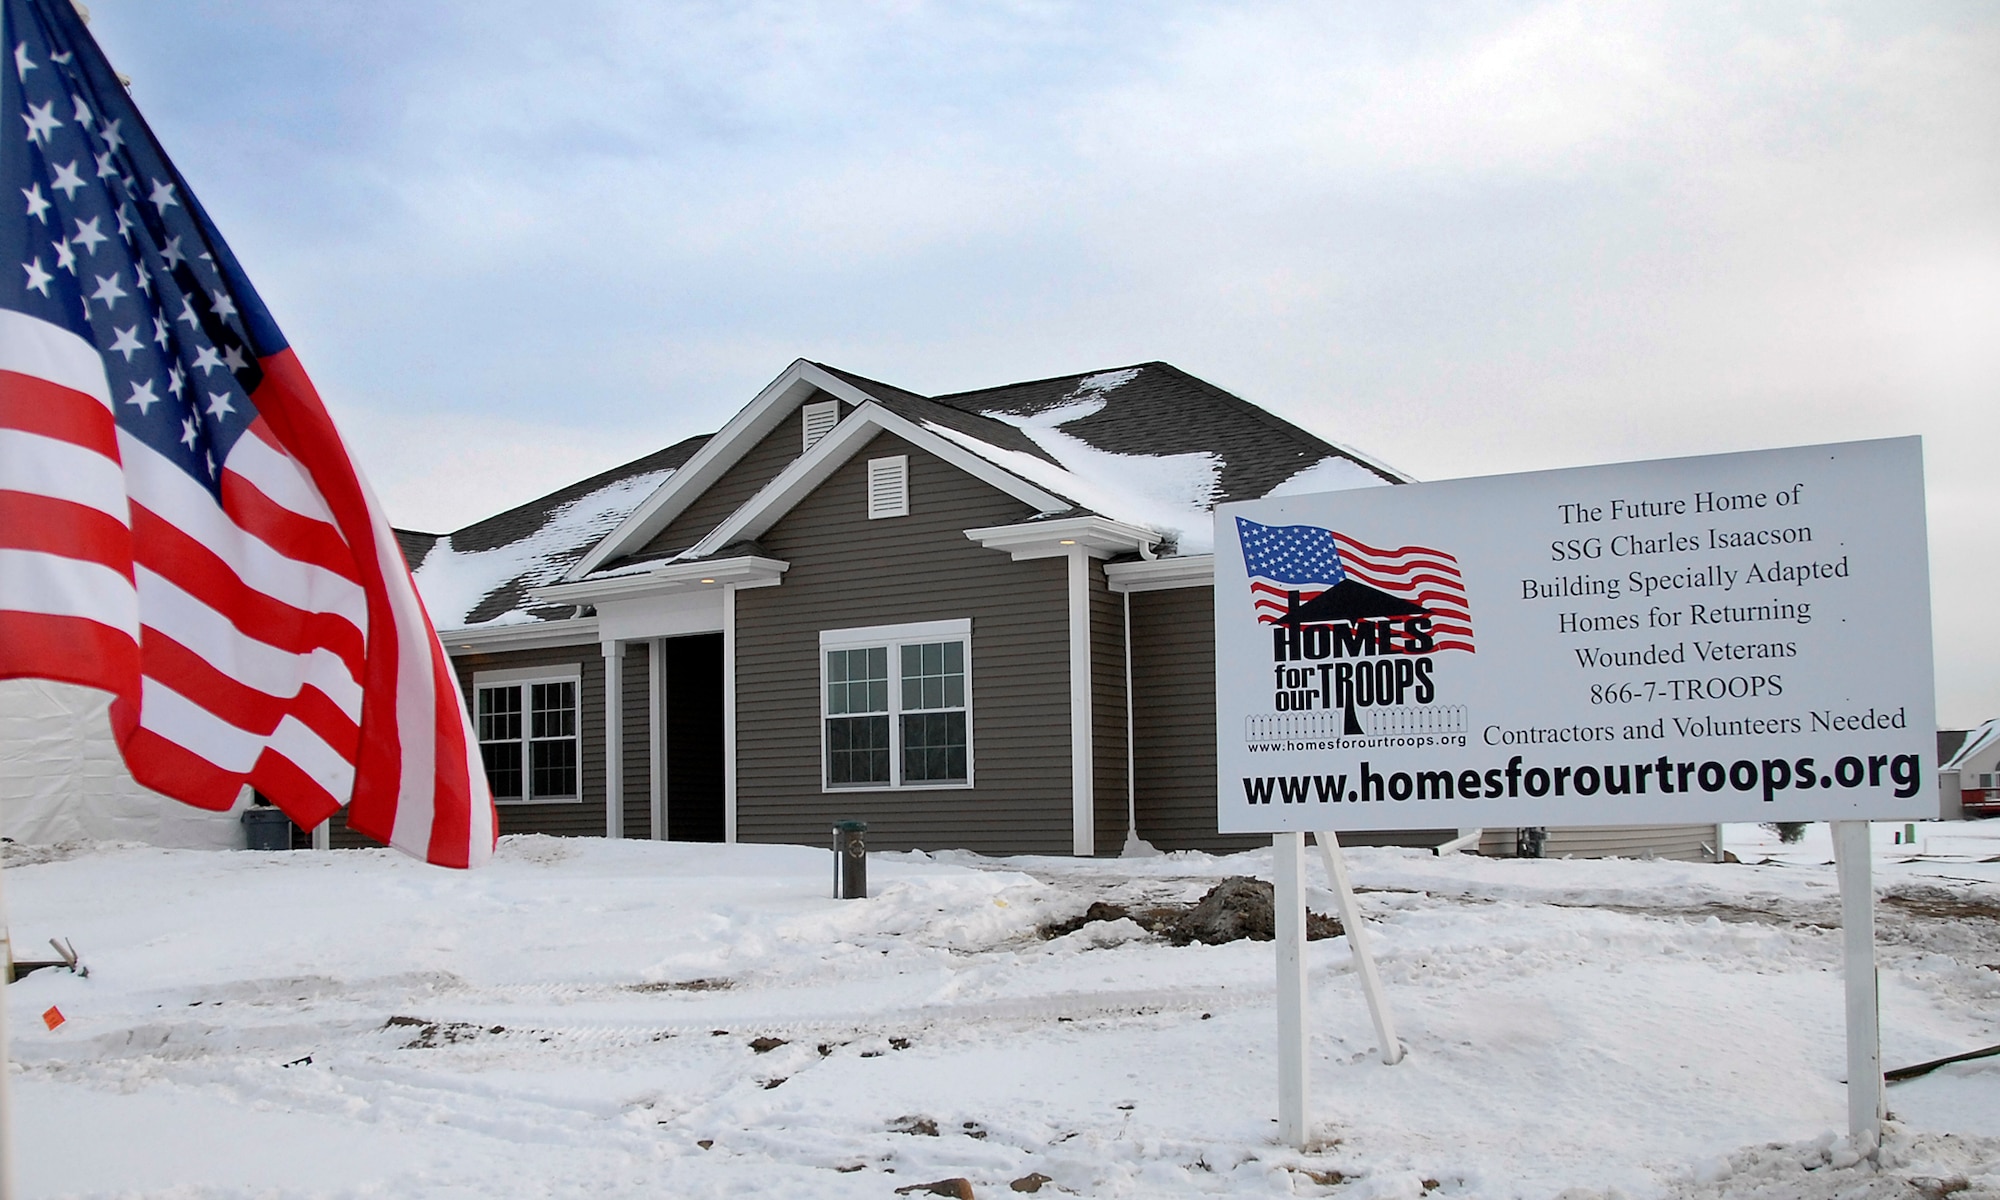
(517, 243)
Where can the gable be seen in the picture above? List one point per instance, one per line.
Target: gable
(943, 502)
(771, 454)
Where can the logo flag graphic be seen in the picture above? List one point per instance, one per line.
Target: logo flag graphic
(1303, 573)
(179, 522)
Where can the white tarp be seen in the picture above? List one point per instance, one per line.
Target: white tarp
(61, 777)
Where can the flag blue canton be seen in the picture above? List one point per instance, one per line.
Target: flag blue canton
(1290, 554)
(107, 241)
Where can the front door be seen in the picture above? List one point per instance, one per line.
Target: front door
(693, 735)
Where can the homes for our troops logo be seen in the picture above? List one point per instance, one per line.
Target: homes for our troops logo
(1353, 628)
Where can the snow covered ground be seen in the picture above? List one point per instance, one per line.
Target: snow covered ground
(586, 1018)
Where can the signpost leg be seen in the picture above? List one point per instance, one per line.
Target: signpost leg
(1852, 854)
(1357, 945)
(1288, 854)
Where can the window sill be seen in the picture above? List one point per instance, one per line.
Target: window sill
(841, 789)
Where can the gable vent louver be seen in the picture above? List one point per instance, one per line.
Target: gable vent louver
(889, 487)
(820, 418)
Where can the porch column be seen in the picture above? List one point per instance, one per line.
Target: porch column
(614, 738)
(729, 713)
(1083, 814)
(656, 735)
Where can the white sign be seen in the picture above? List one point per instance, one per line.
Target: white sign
(1742, 637)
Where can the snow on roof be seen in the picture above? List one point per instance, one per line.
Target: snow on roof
(1976, 742)
(1330, 474)
(454, 582)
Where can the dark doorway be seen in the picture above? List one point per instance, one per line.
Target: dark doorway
(693, 729)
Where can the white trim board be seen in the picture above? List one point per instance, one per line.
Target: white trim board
(1181, 571)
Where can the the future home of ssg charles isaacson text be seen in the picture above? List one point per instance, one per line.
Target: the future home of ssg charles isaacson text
(1739, 637)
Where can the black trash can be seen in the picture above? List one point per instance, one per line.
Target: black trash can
(850, 860)
(266, 828)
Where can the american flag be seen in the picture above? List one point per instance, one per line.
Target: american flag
(1281, 559)
(179, 522)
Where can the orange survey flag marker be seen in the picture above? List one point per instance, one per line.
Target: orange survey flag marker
(53, 1017)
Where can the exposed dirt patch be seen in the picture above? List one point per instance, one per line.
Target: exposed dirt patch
(683, 985)
(1238, 907)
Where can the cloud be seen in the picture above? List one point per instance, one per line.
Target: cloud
(1475, 238)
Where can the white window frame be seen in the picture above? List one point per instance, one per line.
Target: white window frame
(893, 638)
(524, 678)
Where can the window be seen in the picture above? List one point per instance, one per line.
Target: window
(889, 487)
(818, 420)
(896, 706)
(528, 733)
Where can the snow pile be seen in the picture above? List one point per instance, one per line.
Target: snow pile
(591, 1018)
(453, 581)
(1330, 474)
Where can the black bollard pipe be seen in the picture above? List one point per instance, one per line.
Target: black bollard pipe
(850, 860)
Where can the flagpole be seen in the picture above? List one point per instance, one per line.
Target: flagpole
(6, 1083)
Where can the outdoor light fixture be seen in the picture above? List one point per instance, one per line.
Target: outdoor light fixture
(1068, 542)
(708, 581)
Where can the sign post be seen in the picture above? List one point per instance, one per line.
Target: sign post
(1738, 637)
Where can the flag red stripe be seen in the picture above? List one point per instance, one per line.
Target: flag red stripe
(68, 649)
(1361, 547)
(201, 573)
(243, 706)
(51, 526)
(451, 819)
(290, 534)
(34, 405)
(292, 790)
(168, 767)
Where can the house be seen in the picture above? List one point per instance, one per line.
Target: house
(1971, 767)
(981, 620)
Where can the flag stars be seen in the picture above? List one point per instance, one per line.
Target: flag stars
(67, 181)
(162, 195)
(188, 314)
(106, 169)
(219, 405)
(189, 435)
(160, 328)
(38, 204)
(142, 397)
(109, 290)
(112, 140)
(38, 279)
(207, 360)
(65, 257)
(89, 235)
(172, 253)
(82, 114)
(125, 223)
(176, 380)
(232, 357)
(224, 305)
(22, 63)
(128, 343)
(42, 121)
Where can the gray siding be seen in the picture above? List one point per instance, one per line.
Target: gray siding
(581, 819)
(1107, 710)
(1687, 843)
(1173, 686)
(1173, 702)
(848, 571)
(758, 466)
(638, 744)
